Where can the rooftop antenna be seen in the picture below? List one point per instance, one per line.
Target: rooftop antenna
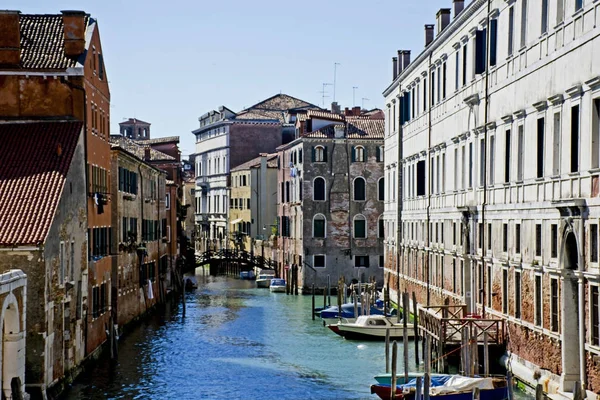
(363, 103)
(334, 76)
(354, 95)
(323, 93)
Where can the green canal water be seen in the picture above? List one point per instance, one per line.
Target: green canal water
(235, 342)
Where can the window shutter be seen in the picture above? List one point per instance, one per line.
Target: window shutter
(402, 110)
(480, 49)
(407, 106)
(378, 153)
(325, 154)
(365, 154)
(493, 41)
(353, 154)
(313, 154)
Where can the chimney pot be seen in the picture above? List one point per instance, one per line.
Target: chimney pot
(394, 67)
(428, 34)
(405, 59)
(10, 37)
(356, 111)
(443, 19)
(459, 5)
(147, 153)
(74, 29)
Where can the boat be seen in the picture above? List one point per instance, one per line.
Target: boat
(264, 280)
(448, 387)
(371, 327)
(247, 275)
(386, 379)
(329, 315)
(190, 283)
(277, 285)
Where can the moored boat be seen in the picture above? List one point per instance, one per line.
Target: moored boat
(330, 315)
(264, 280)
(247, 275)
(277, 285)
(371, 327)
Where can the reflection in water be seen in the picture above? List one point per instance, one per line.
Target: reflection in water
(236, 342)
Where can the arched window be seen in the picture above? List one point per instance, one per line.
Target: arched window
(319, 154)
(319, 225)
(359, 189)
(360, 227)
(319, 189)
(359, 154)
(381, 188)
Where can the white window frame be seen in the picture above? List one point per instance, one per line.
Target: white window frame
(325, 227)
(319, 153)
(324, 188)
(366, 226)
(359, 153)
(324, 260)
(167, 201)
(354, 191)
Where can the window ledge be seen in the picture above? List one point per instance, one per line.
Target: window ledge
(539, 179)
(576, 173)
(576, 13)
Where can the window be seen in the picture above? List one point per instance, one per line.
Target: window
(595, 133)
(168, 201)
(538, 300)
(470, 165)
(560, 11)
(511, 27)
(517, 294)
(379, 154)
(505, 238)
(361, 261)
(127, 181)
(381, 261)
(380, 230)
(480, 51)
(554, 241)
(540, 147)
(61, 272)
(594, 243)
(554, 305)
(556, 145)
(507, 157)
(456, 72)
(100, 243)
(493, 41)
(432, 88)
(421, 178)
(359, 154)
(481, 162)
(424, 94)
(575, 139)
(381, 187)
(505, 291)
(492, 159)
(578, 5)
(444, 80)
(538, 240)
(464, 66)
(595, 315)
(319, 154)
(72, 263)
(319, 189)
(544, 16)
(480, 229)
(319, 223)
(518, 238)
(489, 237)
(523, 23)
(360, 227)
(359, 189)
(520, 155)
(319, 261)
(287, 191)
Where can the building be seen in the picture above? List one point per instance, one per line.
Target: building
(331, 200)
(52, 67)
(142, 238)
(253, 205)
(224, 140)
(135, 129)
(493, 152)
(43, 214)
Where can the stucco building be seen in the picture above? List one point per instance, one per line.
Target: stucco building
(226, 139)
(493, 151)
(330, 201)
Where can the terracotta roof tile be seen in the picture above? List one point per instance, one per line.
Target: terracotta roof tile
(168, 139)
(320, 114)
(138, 149)
(255, 162)
(358, 128)
(274, 108)
(42, 42)
(32, 175)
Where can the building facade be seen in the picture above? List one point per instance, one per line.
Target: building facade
(224, 140)
(494, 152)
(330, 199)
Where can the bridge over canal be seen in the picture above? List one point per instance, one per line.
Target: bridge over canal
(232, 262)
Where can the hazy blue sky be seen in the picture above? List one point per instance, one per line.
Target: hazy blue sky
(168, 62)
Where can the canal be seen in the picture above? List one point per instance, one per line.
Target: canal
(235, 342)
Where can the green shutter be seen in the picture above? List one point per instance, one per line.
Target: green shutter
(353, 154)
(325, 154)
(313, 154)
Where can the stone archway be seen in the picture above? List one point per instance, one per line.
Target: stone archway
(13, 345)
(570, 313)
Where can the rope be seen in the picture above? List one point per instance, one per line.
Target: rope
(470, 342)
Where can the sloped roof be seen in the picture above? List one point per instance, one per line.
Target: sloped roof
(137, 149)
(42, 42)
(132, 121)
(255, 162)
(322, 114)
(168, 139)
(274, 108)
(34, 161)
(358, 128)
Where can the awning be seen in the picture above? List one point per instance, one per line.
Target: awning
(235, 221)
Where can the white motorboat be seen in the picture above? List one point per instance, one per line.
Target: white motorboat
(264, 280)
(277, 285)
(372, 327)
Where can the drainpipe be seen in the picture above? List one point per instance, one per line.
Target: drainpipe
(429, 176)
(581, 306)
(399, 198)
(485, 170)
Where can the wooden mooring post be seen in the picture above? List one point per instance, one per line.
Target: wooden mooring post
(313, 301)
(416, 327)
(394, 370)
(405, 308)
(387, 350)
(427, 361)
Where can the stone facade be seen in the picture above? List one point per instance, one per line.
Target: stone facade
(494, 152)
(332, 230)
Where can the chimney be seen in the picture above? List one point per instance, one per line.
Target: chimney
(443, 19)
(356, 111)
(347, 111)
(74, 27)
(147, 153)
(335, 108)
(10, 38)
(338, 131)
(405, 59)
(459, 5)
(428, 34)
(394, 67)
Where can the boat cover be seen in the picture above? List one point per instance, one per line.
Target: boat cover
(453, 384)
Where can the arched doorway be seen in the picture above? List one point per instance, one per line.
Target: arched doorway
(570, 311)
(11, 342)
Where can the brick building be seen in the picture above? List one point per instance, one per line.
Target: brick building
(52, 67)
(226, 139)
(331, 200)
(493, 152)
(140, 276)
(43, 225)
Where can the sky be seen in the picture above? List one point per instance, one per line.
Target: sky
(169, 62)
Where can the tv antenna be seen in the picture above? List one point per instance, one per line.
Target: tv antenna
(334, 76)
(323, 93)
(354, 95)
(363, 102)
